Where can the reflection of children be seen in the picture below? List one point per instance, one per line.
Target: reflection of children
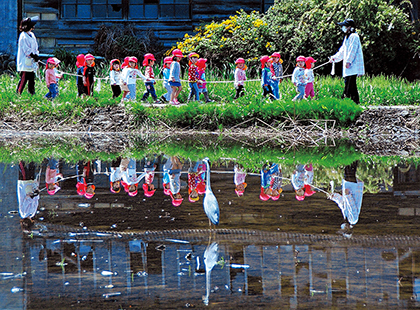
(173, 168)
(130, 180)
(52, 176)
(271, 182)
(28, 194)
(240, 77)
(80, 64)
(298, 78)
(166, 70)
(149, 170)
(85, 178)
(114, 77)
(51, 79)
(239, 180)
(115, 176)
(302, 179)
(350, 201)
(193, 76)
(201, 74)
(309, 76)
(195, 181)
(276, 69)
(148, 62)
(266, 77)
(89, 74)
(175, 76)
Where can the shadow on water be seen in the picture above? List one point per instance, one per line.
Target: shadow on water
(127, 230)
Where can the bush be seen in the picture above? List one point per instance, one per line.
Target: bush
(309, 28)
(122, 41)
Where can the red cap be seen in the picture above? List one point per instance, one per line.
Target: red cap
(167, 60)
(264, 196)
(309, 61)
(166, 191)
(176, 202)
(201, 63)
(148, 57)
(80, 60)
(81, 188)
(148, 193)
(263, 60)
(240, 61)
(177, 53)
(301, 58)
(112, 63)
(275, 54)
(89, 57)
(132, 59)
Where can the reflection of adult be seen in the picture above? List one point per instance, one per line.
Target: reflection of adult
(28, 193)
(352, 56)
(350, 202)
(27, 55)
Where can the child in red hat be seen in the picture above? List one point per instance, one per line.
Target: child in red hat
(266, 77)
(193, 76)
(130, 180)
(239, 180)
(309, 75)
(149, 170)
(165, 71)
(240, 77)
(302, 179)
(128, 79)
(115, 77)
(51, 79)
(80, 65)
(173, 169)
(175, 76)
(201, 75)
(148, 62)
(89, 72)
(276, 68)
(298, 78)
(52, 176)
(85, 179)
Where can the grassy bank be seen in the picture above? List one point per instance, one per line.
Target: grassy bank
(224, 111)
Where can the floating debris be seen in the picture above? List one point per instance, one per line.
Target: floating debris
(238, 266)
(107, 273)
(16, 289)
(108, 295)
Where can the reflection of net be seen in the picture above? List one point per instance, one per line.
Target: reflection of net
(244, 236)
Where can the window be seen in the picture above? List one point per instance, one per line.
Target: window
(143, 9)
(175, 8)
(92, 9)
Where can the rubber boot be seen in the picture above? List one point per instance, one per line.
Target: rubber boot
(206, 96)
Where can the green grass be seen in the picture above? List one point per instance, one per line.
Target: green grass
(224, 112)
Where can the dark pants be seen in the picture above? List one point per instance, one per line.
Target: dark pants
(350, 88)
(267, 90)
(26, 77)
(150, 90)
(116, 91)
(26, 171)
(350, 172)
(239, 91)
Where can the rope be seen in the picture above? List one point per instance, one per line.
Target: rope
(208, 82)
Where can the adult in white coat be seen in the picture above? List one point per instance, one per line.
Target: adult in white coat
(351, 54)
(27, 55)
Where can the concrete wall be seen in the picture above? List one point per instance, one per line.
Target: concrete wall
(8, 17)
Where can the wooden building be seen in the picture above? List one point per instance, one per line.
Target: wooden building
(73, 23)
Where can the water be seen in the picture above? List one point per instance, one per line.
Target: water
(116, 251)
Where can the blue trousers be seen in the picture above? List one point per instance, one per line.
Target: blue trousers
(301, 92)
(194, 91)
(150, 90)
(275, 87)
(53, 91)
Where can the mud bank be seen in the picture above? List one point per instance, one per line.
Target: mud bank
(378, 131)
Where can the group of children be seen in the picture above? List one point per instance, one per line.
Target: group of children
(123, 77)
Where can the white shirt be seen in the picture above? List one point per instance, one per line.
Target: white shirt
(114, 77)
(27, 205)
(351, 204)
(128, 75)
(239, 176)
(351, 52)
(27, 44)
(309, 75)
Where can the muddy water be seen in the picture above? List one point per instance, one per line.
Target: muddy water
(115, 251)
